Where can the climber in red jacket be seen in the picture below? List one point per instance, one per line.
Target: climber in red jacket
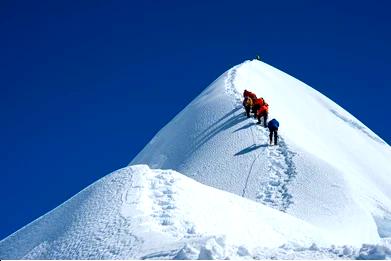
(257, 104)
(263, 112)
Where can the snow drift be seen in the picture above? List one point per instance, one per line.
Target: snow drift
(323, 192)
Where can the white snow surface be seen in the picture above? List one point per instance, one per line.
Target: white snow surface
(329, 169)
(323, 192)
(141, 213)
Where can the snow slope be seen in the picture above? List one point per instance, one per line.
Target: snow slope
(323, 192)
(329, 169)
(141, 213)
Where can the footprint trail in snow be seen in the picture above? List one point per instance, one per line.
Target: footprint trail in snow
(273, 188)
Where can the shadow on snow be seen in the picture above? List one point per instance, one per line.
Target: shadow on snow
(250, 149)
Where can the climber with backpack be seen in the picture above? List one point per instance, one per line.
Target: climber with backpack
(273, 129)
(263, 112)
(257, 104)
(247, 103)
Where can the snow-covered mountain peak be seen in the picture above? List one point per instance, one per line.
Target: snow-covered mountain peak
(321, 193)
(328, 166)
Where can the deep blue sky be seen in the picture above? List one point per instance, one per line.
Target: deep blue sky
(86, 84)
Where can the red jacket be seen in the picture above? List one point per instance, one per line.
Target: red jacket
(260, 101)
(264, 109)
(252, 96)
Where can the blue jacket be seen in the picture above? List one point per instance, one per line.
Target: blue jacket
(273, 124)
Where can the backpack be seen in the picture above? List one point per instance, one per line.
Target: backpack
(273, 124)
(249, 102)
(245, 101)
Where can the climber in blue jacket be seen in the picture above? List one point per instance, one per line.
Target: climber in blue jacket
(273, 129)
